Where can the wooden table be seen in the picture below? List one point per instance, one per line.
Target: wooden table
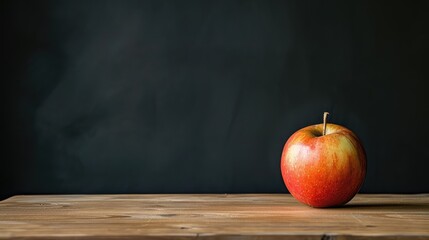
(211, 216)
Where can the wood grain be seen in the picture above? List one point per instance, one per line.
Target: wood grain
(211, 216)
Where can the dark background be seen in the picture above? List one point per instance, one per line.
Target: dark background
(200, 96)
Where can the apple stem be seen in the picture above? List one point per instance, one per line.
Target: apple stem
(325, 116)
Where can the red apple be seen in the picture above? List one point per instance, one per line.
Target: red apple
(323, 165)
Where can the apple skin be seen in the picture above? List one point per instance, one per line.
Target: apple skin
(323, 170)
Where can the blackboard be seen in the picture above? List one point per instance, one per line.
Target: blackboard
(200, 96)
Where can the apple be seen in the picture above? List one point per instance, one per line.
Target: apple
(323, 165)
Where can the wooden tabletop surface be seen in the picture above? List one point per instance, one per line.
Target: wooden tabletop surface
(211, 216)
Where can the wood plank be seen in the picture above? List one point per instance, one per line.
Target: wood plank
(211, 216)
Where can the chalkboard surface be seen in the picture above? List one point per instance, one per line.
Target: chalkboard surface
(200, 96)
